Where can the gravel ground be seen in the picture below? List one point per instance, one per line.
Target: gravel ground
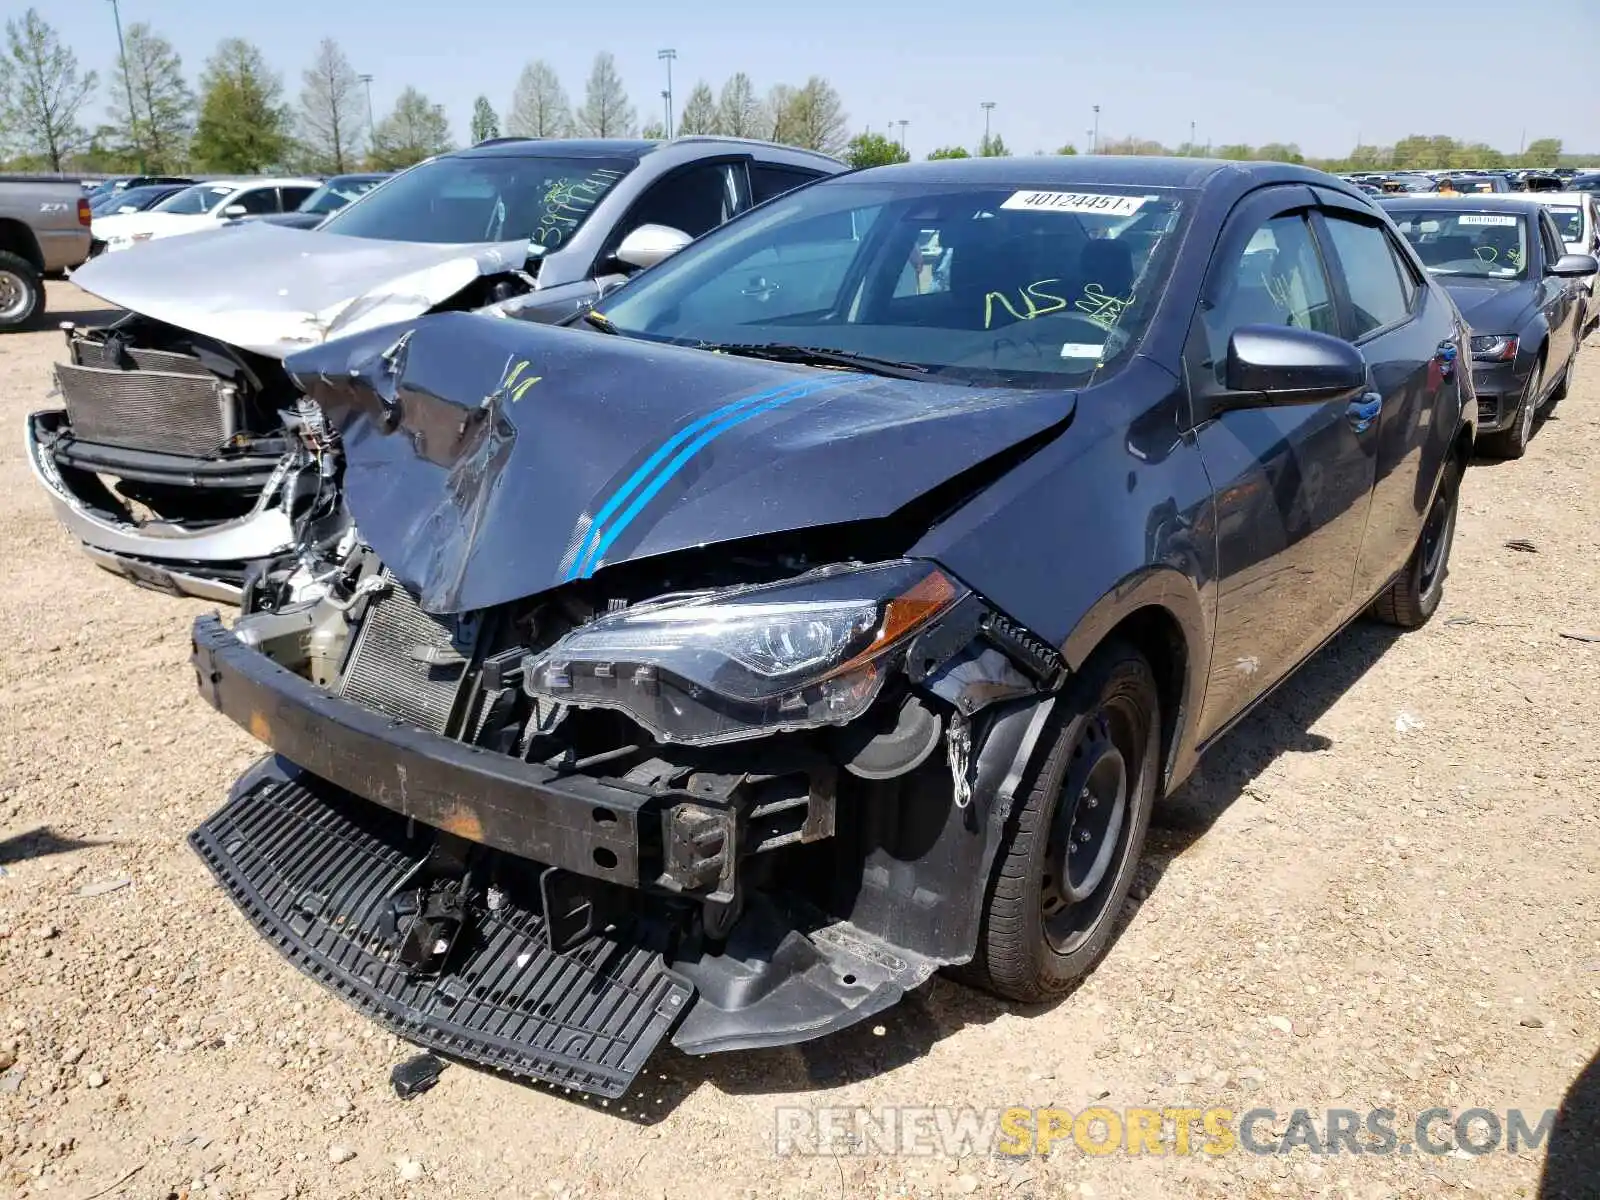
(1381, 893)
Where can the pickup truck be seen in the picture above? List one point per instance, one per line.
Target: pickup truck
(44, 230)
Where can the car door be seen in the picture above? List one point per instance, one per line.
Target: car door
(1408, 336)
(1292, 483)
(255, 201)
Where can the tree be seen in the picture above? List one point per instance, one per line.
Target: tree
(606, 111)
(415, 129)
(1286, 152)
(780, 113)
(331, 110)
(656, 131)
(1411, 151)
(1238, 152)
(485, 124)
(950, 152)
(155, 131)
(1364, 158)
(739, 109)
(539, 106)
(1069, 148)
(815, 118)
(700, 112)
(41, 92)
(1544, 152)
(993, 146)
(244, 125)
(875, 150)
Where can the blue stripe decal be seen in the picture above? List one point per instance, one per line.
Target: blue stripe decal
(594, 545)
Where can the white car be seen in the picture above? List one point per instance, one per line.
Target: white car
(203, 206)
(1577, 215)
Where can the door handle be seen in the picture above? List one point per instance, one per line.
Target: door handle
(1363, 412)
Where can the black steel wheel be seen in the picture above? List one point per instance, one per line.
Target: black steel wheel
(1072, 848)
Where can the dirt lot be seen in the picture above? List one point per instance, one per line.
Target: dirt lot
(1382, 893)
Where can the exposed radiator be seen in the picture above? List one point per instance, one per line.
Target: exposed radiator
(86, 353)
(407, 663)
(169, 412)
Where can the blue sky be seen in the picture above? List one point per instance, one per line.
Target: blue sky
(1242, 70)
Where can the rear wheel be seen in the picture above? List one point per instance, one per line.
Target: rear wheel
(1411, 599)
(21, 291)
(1513, 442)
(1073, 848)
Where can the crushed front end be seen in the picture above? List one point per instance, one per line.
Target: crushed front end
(748, 808)
(178, 461)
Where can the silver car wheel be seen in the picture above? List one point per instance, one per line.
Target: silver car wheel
(15, 295)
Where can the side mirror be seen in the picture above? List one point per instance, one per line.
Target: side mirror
(236, 210)
(1279, 364)
(1574, 266)
(650, 244)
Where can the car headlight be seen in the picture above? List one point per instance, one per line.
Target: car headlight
(1494, 347)
(728, 665)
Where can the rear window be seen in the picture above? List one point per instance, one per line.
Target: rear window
(1569, 221)
(201, 198)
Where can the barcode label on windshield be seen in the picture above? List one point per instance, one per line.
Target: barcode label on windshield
(1485, 219)
(1076, 202)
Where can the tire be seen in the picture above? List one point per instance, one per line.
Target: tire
(1563, 385)
(1513, 442)
(1410, 600)
(1105, 754)
(21, 292)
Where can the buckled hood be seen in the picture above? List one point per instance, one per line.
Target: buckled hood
(490, 459)
(275, 290)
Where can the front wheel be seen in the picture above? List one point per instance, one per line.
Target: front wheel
(1072, 849)
(21, 291)
(1410, 600)
(1513, 442)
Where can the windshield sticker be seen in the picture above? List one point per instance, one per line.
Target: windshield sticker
(1101, 203)
(568, 201)
(1485, 219)
(1081, 350)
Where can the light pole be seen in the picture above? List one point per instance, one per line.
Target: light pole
(902, 125)
(1191, 137)
(1095, 145)
(667, 57)
(666, 100)
(988, 107)
(366, 81)
(133, 117)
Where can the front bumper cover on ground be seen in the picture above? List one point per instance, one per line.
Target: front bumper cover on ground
(206, 561)
(784, 974)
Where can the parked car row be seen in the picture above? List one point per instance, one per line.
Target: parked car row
(690, 592)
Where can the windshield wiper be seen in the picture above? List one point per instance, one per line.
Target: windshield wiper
(820, 356)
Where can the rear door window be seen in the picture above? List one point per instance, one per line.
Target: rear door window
(768, 180)
(1371, 275)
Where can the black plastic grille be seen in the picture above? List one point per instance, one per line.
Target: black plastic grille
(168, 412)
(313, 871)
(405, 662)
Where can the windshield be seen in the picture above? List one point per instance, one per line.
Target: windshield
(335, 194)
(1474, 244)
(1468, 186)
(127, 200)
(976, 283)
(201, 198)
(484, 199)
(1569, 221)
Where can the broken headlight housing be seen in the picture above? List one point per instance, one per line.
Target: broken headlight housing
(728, 665)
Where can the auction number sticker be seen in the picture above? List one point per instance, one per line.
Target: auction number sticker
(1485, 219)
(1076, 202)
(1081, 350)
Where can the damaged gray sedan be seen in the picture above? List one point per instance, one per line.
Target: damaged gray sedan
(181, 455)
(828, 607)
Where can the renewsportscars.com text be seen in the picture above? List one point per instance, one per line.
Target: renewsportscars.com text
(1177, 1131)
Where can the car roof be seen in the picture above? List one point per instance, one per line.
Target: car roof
(1106, 170)
(634, 148)
(1489, 202)
(1576, 198)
